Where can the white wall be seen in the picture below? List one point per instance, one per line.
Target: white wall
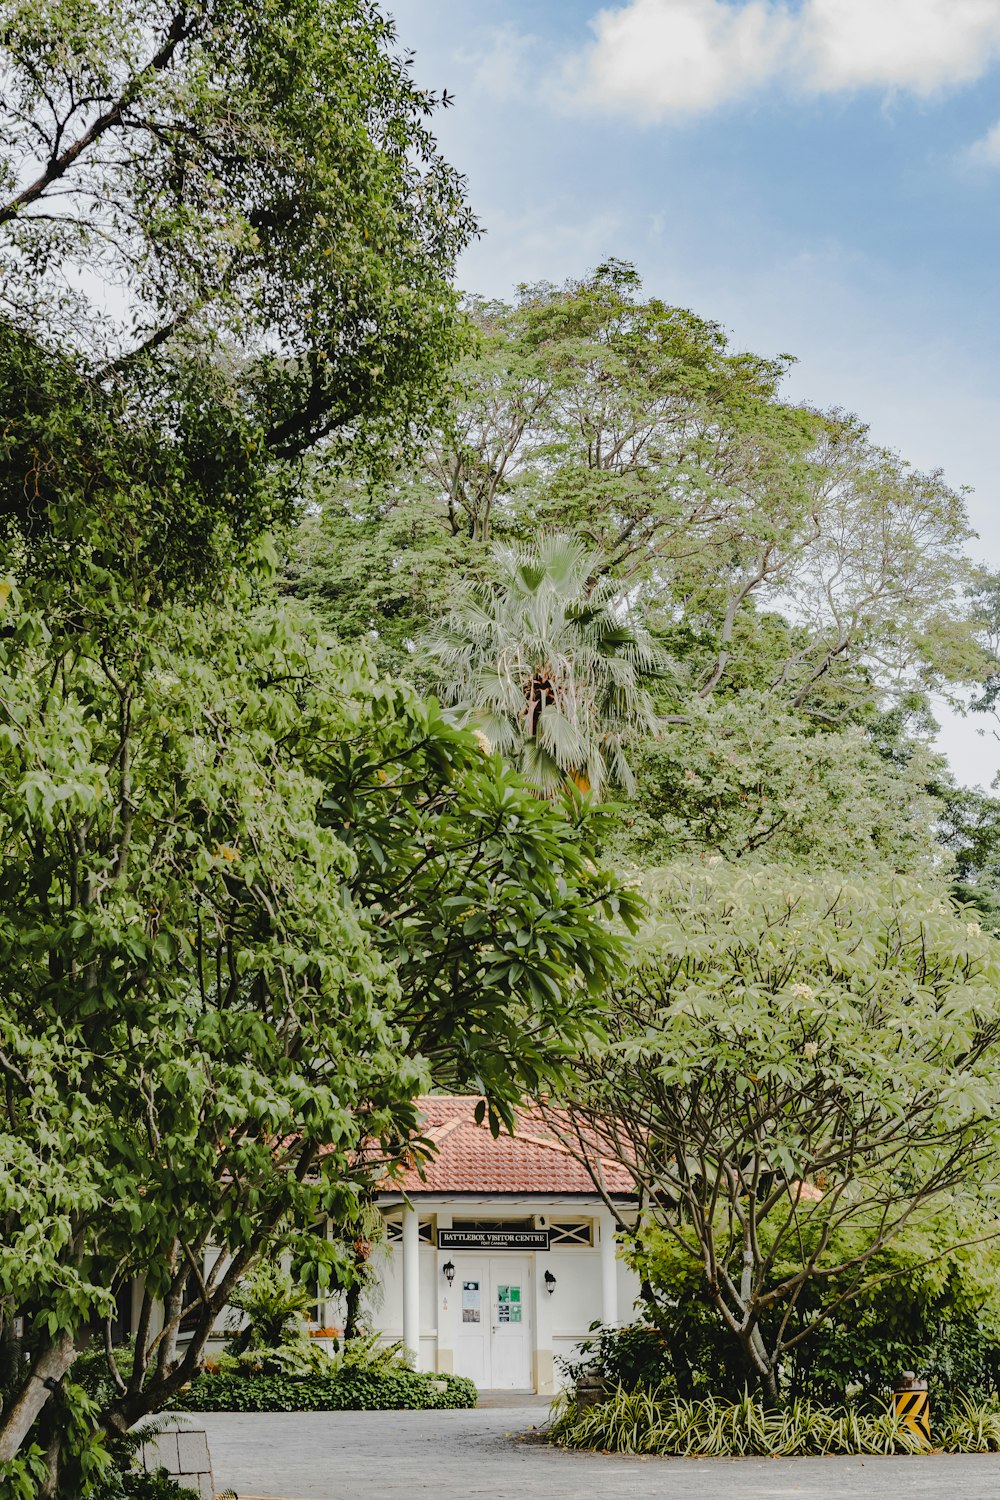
(565, 1317)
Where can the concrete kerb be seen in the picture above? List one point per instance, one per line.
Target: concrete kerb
(184, 1453)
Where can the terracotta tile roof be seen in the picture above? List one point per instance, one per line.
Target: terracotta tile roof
(469, 1160)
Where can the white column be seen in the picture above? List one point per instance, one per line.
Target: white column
(411, 1282)
(543, 1368)
(609, 1271)
(448, 1300)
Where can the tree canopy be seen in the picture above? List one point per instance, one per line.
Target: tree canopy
(596, 410)
(225, 240)
(798, 1069)
(804, 588)
(254, 901)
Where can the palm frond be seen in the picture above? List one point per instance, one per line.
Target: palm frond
(550, 663)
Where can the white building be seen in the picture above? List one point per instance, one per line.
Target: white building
(502, 1254)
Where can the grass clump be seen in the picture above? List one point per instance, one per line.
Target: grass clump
(657, 1422)
(971, 1427)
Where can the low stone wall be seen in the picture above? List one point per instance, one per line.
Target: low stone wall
(183, 1452)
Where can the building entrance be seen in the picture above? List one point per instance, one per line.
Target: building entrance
(494, 1330)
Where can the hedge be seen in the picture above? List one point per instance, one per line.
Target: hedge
(351, 1390)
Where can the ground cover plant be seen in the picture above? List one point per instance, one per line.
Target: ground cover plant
(350, 1389)
(656, 1421)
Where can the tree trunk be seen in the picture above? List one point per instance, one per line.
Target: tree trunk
(770, 1383)
(10, 1351)
(353, 1308)
(50, 1365)
(53, 1451)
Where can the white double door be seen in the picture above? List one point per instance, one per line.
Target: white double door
(493, 1326)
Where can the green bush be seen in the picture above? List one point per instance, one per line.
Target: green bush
(303, 1356)
(693, 1356)
(926, 1308)
(139, 1486)
(349, 1390)
(970, 1428)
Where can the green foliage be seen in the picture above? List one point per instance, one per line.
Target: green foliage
(300, 1356)
(254, 901)
(258, 216)
(802, 1072)
(111, 501)
(972, 1427)
(630, 1355)
(348, 1390)
(688, 1350)
(969, 826)
(139, 1486)
(923, 1306)
(479, 895)
(375, 564)
(653, 1421)
(369, 1355)
(644, 1421)
(548, 665)
(24, 1475)
(271, 1306)
(594, 410)
(800, 580)
(747, 779)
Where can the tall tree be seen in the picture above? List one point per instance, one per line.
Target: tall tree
(798, 1070)
(254, 900)
(226, 237)
(749, 779)
(549, 665)
(598, 411)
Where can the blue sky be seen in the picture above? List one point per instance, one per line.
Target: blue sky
(818, 176)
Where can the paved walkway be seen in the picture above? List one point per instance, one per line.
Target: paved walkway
(463, 1455)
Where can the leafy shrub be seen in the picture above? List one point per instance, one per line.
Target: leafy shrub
(970, 1427)
(926, 1308)
(693, 1355)
(655, 1421)
(267, 1310)
(303, 1356)
(138, 1486)
(369, 1353)
(349, 1390)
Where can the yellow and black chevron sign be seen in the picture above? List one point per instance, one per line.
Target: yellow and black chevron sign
(914, 1409)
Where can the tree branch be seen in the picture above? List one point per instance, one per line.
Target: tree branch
(60, 164)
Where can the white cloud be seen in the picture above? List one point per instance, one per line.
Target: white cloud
(656, 58)
(504, 66)
(683, 56)
(986, 151)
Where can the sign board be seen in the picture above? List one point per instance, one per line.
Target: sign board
(508, 1304)
(470, 1302)
(493, 1239)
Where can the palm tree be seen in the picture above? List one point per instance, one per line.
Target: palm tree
(548, 665)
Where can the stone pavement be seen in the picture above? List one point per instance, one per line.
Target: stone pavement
(464, 1455)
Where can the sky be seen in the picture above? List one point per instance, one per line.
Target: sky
(820, 176)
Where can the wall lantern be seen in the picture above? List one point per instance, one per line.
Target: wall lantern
(550, 1282)
(448, 1270)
